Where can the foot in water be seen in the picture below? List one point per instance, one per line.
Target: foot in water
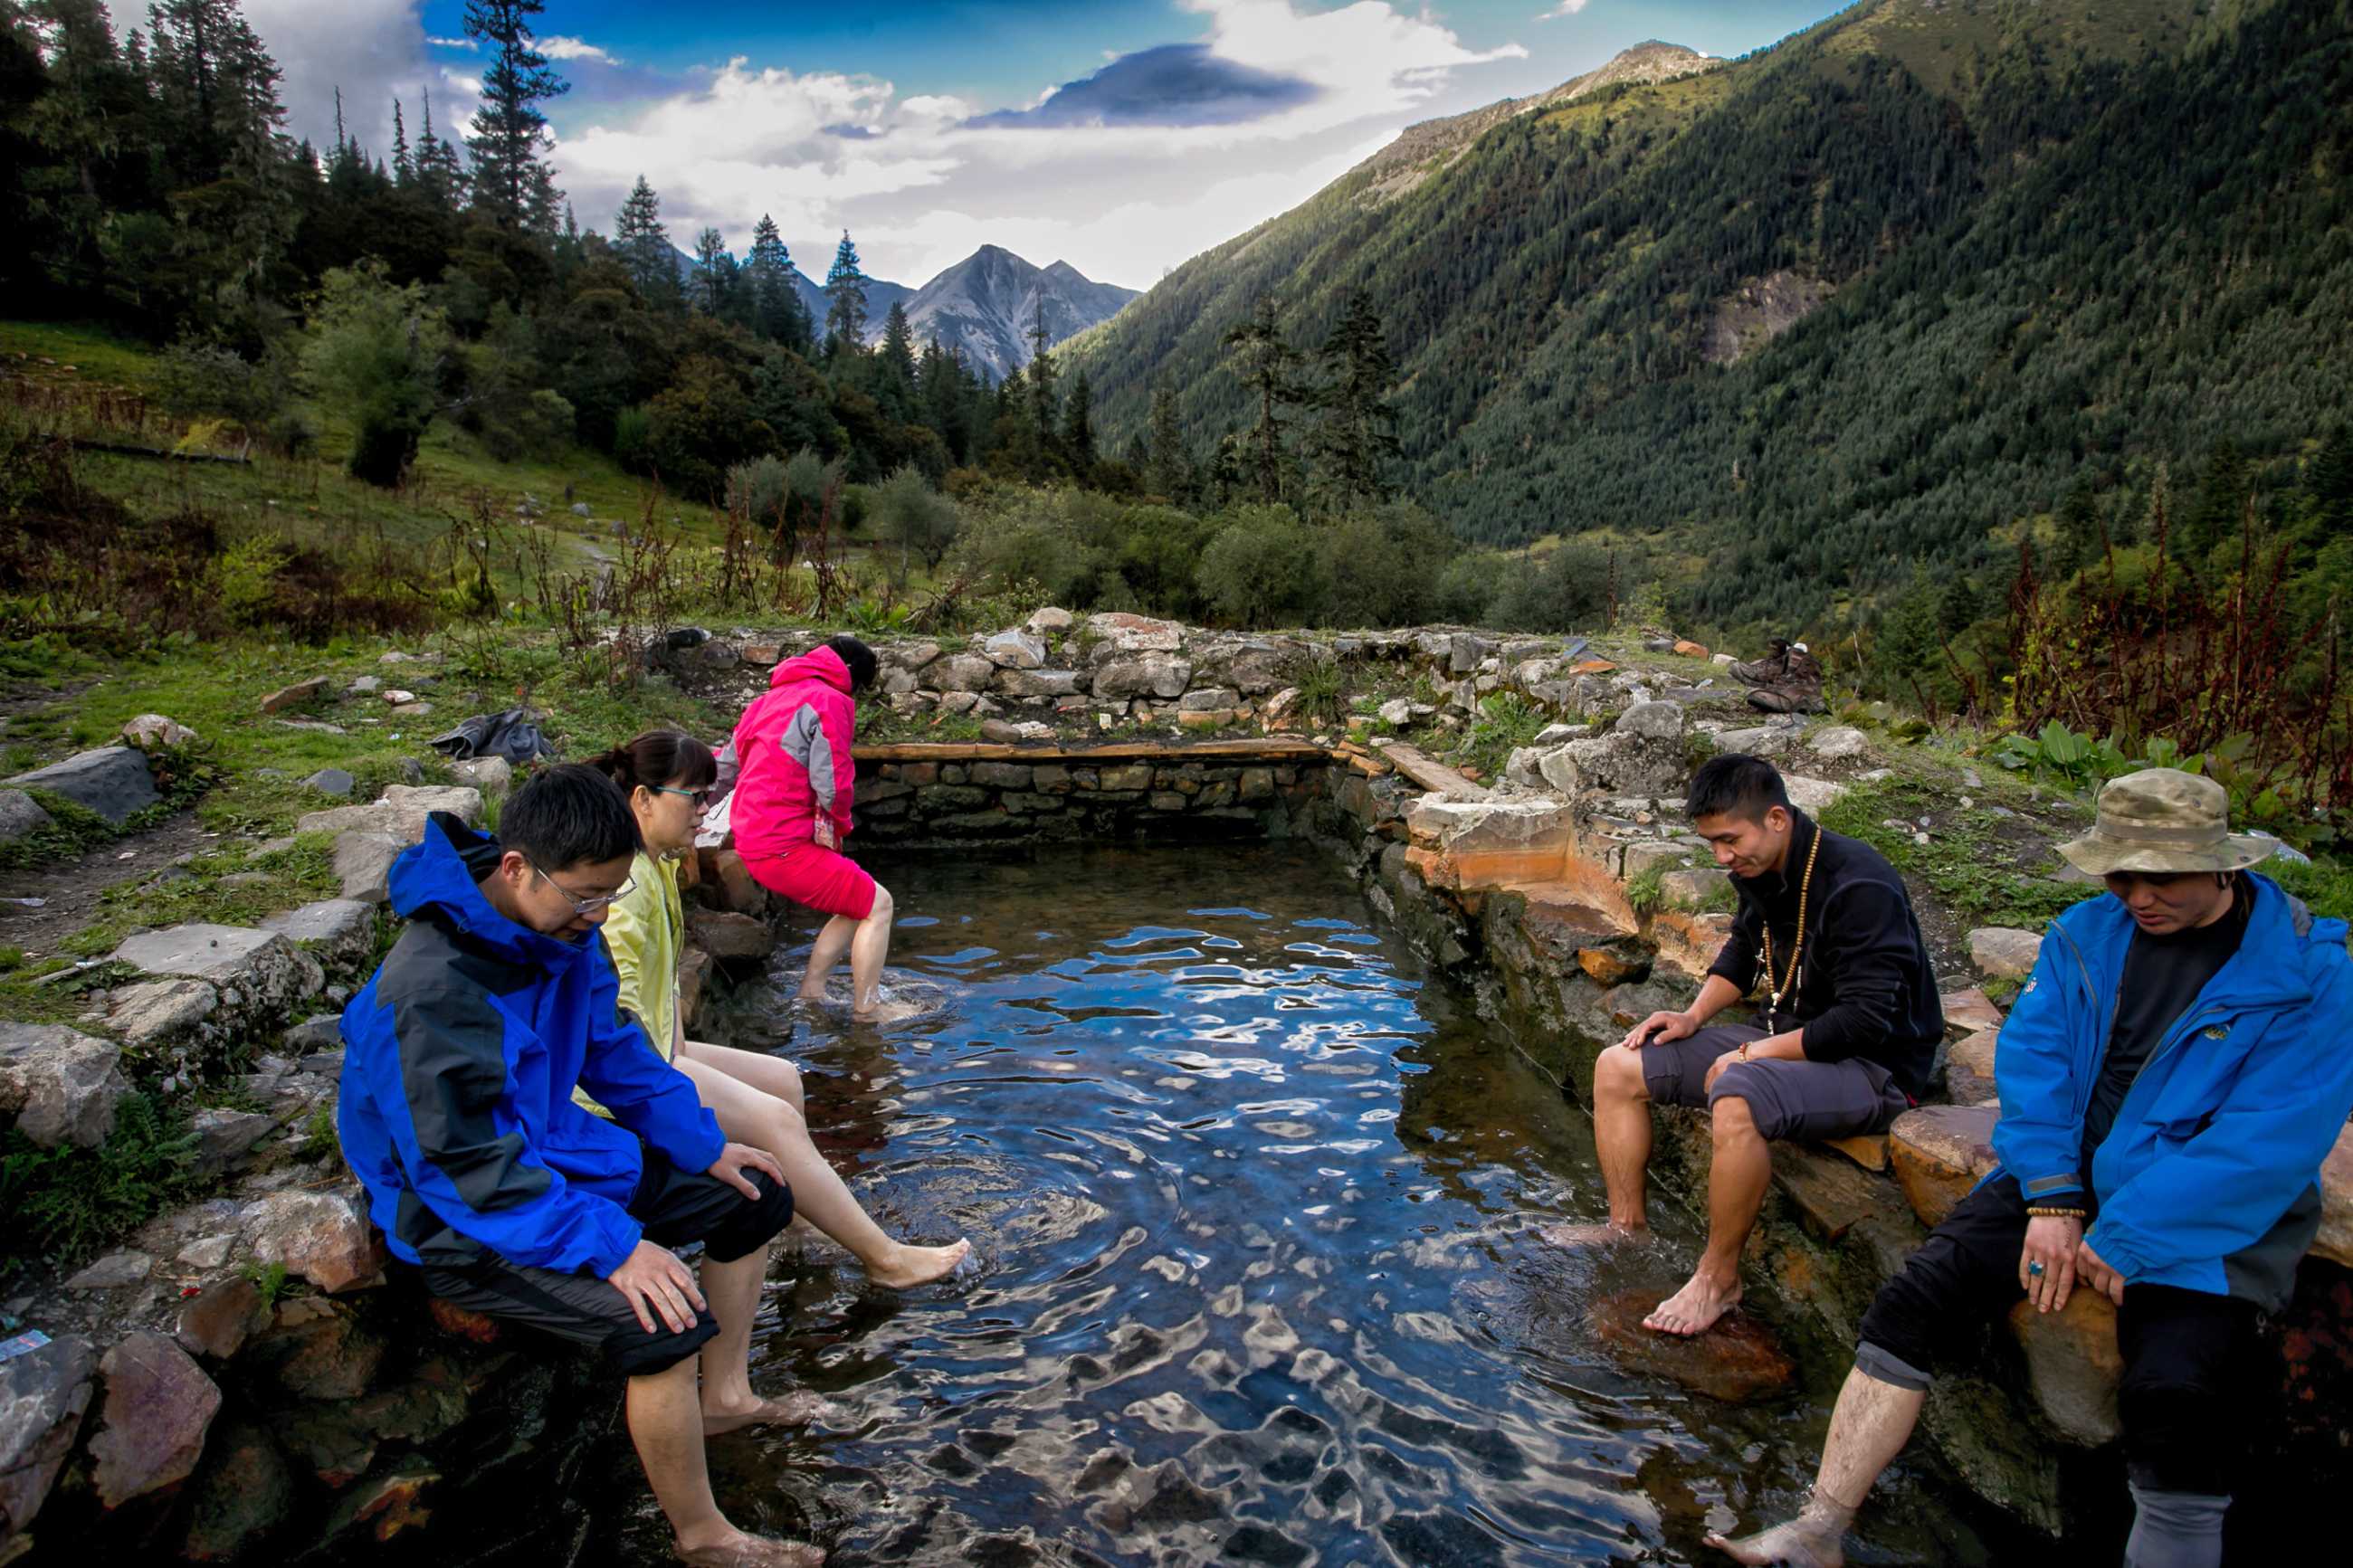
(905, 1267)
(1809, 1541)
(886, 1009)
(737, 1550)
(797, 1408)
(1694, 1309)
(1584, 1235)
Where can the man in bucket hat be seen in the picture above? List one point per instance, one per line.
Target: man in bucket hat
(2171, 1079)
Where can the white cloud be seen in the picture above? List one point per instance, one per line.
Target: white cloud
(561, 46)
(1566, 8)
(470, 44)
(372, 50)
(920, 187)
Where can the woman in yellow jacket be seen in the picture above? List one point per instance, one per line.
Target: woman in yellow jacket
(756, 1097)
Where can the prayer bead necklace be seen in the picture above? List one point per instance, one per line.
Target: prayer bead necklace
(1788, 981)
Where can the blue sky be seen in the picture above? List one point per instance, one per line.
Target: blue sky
(1121, 135)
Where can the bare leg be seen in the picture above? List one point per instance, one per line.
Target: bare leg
(734, 1292)
(832, 942)
(666, 1425)
(769, 1075)
(765, 1121)
(1622, 1131)
(1872, 1424)
(868, 950)
(1736, 1179)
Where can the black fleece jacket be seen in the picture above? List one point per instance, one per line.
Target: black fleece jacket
(1865, 986)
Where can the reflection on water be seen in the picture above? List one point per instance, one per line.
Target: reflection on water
(1253, 1205)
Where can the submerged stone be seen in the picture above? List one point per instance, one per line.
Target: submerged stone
(1736, 1360)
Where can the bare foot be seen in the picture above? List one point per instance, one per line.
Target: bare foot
(1578, 1235)
(1694, 1309)
(904, 1266)
(1803, 1542)
(885, 1010)
(797, 1408)
(737, 1550)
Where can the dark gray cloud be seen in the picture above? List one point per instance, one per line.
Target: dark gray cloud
(1173, 84)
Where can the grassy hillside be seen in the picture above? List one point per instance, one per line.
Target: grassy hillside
(2071, 238)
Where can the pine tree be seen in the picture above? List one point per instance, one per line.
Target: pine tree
(1079, 427)
(778, 312)
(845, 290)
(1269, 367)
(438, 172)
(1168, 469)
(1042, 404)
(644, 245)
(1356, 432)
(896, 389)
(404, 167)
(711, 262)
(512, 185)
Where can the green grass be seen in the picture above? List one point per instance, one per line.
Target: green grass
(98, 356)
(1988, 869)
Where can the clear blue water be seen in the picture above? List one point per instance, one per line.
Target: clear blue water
(1253, 1202)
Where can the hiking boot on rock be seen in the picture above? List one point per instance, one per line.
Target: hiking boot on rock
(1791, 696)
(1767, 671)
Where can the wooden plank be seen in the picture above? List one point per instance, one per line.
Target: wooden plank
(1432, 774)
(1272, 749)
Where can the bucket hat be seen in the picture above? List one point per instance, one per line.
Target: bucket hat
(2164, 820)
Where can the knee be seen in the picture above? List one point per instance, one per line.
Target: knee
(1617, 1075)
(883, 906)
(789, 1084)
(1729, 1118)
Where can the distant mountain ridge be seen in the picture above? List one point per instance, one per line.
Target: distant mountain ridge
(982, 307)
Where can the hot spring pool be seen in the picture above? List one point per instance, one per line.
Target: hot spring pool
(1253, 1199)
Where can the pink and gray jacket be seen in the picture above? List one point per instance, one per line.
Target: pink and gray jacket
(793, 746)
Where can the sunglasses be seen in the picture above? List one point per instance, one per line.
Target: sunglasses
(702, 797)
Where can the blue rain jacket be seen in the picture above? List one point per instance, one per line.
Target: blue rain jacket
(2208, 1179)
(460, 1057)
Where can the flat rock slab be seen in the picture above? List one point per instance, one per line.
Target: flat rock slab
(1867, 1149)
(62, 1085)
(263, 968)
(1736, 1360)
(294, 696)
(1940, 1152)
(159, 1406)
(112, 781)
(341, 930)
(401, 813)
(1970, 1011)
(158, 1012)
(42, 1396)
(364, 864)
(223, 1134)
(1831, 1194)
(115, 1271)
(2004, 953)
(324, 1236)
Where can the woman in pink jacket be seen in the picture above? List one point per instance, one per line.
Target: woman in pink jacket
(791, 812)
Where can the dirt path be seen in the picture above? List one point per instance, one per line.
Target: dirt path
(70, 891)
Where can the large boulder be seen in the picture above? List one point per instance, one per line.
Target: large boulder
(154, 733)
(364, 864)
(1653, 721)
(400, 813)
(159, 1406)
(1156, 675)
(729, 935)
(1122, 633)
(20, 814)
(1490, 843)
(2073, 1364)
(255, 971)
(113, 781)
(1622, 763)
(339, 931)
(1015, 649)
(42, 1395)
(1816, 795)
(1835, 740)
(158, 1012)
(1940, 1152)
(2003, 952)
(960, 672)
(61, 1086)
(1035, 683)
(323, 1236)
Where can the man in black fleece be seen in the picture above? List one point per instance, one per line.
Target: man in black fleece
(1845, 1033)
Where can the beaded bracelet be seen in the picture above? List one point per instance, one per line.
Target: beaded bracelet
(2055, 1213)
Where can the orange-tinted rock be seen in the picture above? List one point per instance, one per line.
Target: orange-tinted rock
(727, 877)
(1868, 1150)
(1690, 650)
(324, 1236)
(1736, 1361)
(1830, 1194)
(2335, 1241)
(218, 1322)
(1970, 1011)
(2073, 1364)
(463, 1321)
(387, 1505)
(694, 971)
(1614, 965)
(1975, 1053)
(690, 872)
(1938, 1152)
(1688, 941)
(1590, 666)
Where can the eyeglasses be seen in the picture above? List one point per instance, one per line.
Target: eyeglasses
(702, 797)
(581, 906)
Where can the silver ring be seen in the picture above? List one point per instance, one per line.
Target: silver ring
(2035, 1270)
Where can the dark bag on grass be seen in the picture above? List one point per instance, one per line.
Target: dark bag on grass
(513, 734)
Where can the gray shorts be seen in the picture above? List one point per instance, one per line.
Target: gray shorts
(1804, 1100)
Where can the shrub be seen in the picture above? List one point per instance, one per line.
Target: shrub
(69, 1200)
(916, 518)
(376, 350)
(1263, 568)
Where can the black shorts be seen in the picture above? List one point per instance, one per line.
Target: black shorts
(2192, 1361)
(1797, 1099)
(677, 1210)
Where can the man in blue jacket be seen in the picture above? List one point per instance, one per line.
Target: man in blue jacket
(456, 1115)
(2171, 1079)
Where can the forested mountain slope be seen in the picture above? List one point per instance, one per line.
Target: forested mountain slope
(1820, 314)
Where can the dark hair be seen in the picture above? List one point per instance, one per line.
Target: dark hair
(569, 816)
(863, 667)
(1736, 785)
(655, 758)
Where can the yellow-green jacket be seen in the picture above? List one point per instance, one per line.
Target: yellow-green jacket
(645, 933)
